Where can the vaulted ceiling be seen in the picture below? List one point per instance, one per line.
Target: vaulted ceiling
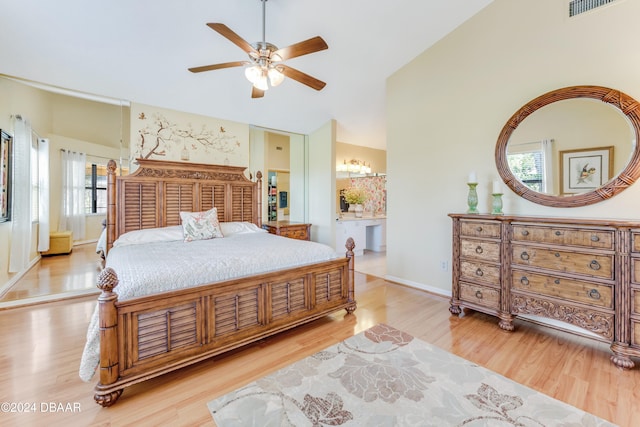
(139, 51)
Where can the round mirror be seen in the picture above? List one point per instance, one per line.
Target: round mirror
(577, 146)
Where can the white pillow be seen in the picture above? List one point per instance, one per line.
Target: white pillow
(231, 228)
(148, 235)
(200, 225)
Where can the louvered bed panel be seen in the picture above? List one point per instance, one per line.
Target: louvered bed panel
(236, 311)
(328, 286)
(212, 196)
(288, 297)
(242, 207)
(141, 201)
(178, 198)
(163, 331)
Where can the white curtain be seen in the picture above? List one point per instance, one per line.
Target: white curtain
(546, 146)
(43, 195)
(21, 194)
(72, 215)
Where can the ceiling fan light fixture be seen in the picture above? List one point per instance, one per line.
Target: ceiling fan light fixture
(275, 76)
(261, 81)
(253, 73)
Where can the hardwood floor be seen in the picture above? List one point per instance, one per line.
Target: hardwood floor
(41, 347)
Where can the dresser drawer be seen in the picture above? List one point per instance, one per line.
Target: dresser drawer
(480, 272)
(288, 229)
(480, 295)
(635, 271)
(480, 249)
(296, 233)
(565, 261)
(479, 229)
(570, 290)
(635, 301)
(635, 333)
(635, 241)
(588, 238)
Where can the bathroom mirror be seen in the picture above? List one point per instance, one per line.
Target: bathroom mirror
(571, 147)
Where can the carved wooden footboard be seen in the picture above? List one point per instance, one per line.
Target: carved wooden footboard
(148, 336)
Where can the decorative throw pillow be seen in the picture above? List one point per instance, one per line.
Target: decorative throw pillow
(200, 225)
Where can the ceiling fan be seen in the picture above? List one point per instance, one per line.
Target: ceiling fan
(265, 66)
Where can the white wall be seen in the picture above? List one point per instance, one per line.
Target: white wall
(446, 108)
(322, 190)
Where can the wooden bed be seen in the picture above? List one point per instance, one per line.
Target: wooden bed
(147, 336)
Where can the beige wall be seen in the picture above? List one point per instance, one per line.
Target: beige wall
(447, 107)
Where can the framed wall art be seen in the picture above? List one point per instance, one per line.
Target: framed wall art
(5, 175)
(585, 169)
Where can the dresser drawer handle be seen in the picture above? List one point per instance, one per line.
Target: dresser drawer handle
(524, 256)
(558, 233)
(478, 294)
(479, 250)
(478, 229)
(525, 232)
(595, 238)
(479, 272)
(557, 255)
(594, 265)
(557, 281)
(593, 293)
(524, 280)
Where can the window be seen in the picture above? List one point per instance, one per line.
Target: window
(95, 199)
(528, 167)
(530, 162)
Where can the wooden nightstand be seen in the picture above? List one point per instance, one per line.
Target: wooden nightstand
(293, 230)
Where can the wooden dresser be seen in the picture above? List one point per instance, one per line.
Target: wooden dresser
(579, 271)
(293, 230)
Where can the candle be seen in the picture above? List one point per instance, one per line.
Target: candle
(472, 177)
(497, 188)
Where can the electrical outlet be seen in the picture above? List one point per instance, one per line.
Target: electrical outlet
(444, 265)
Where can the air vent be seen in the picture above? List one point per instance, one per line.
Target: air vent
(577, 7)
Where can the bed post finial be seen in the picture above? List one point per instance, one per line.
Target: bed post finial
(350, 245)
(108, 323)
(259, 198)
(111, 204)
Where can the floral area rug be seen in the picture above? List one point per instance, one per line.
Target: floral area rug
(385, 377)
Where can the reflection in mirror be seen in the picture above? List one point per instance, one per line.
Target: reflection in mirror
(572, 125)
(571, 147)
(281, 157)
(74, 121)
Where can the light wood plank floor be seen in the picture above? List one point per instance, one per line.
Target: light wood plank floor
(41, 347)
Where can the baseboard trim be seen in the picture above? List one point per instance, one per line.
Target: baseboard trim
(421, 286)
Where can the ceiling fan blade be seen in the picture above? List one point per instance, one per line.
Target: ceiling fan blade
(306, 47)
(301, 77)
(233, 37)
(256, 93)
(218, 66)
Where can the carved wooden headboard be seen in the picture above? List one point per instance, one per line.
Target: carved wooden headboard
(155, 194)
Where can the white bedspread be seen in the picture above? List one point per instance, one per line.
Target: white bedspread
(155, 267)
